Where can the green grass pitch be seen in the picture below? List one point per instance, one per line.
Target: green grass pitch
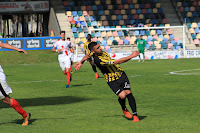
(166, 103)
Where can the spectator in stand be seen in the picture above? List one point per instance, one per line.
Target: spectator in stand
(73, 23)
(140, 24)
(78, 23)
(31, 34)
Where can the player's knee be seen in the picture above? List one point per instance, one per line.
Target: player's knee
(122, 95)
(7, 100)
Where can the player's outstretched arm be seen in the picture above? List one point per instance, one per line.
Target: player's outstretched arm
(125, 59)
(8, 46)
(78, 65)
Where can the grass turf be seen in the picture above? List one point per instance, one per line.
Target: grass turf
(165, 102)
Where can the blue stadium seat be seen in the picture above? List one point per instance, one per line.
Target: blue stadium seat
(136, 32)
(165, 39)
(120, 33)
(75, 35)
(83, 23)
(99, 7)
(196, 30)
(119, 17)
(149, 10)
(142, 32)
(111, 38)
(101, 12)
(147, 46)
(76, 18)
(74, 13)
(147, 32)
(109, 50)
(71, 3)
(80, 13)
(130, 17)
(94, 7)
(74, 29)
(187, 9)
(171, 36)
(116, 22)
(131, 6)
(92, 18)
(158, 32)
(198, 24)
(67, 8)
(86, 34)
(98, 34)
(126, 42)
(138, 11)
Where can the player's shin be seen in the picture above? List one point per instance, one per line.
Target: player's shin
(18, 108)
(68, 77)
(122, 102)
(132, 103)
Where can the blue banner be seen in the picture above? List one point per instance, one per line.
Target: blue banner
(30, 43)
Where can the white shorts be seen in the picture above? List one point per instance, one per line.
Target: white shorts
(5, 89)
(72, 56)
(65, 64)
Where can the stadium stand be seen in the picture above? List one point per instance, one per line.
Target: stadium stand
(95, 14)
(190, 11)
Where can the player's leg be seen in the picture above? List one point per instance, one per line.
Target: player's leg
(67, 72)
(118, 90)
(132, 103)
(5, 90)
(71, 67)
(139, 50)
(122, 102)
(143, 55)
(72, 59)
(94, 67)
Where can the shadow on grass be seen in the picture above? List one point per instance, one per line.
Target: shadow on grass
(47, 101)
(80, 85)
(19, 121)
(140, 117)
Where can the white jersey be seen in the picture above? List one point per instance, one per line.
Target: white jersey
(5, 88)
(64, 45)
(2, 75)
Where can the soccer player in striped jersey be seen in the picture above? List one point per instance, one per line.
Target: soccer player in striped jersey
(114, 75)
(63, 46)
(87, 51)
(5, 89)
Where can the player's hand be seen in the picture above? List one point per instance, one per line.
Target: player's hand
(77, 66)
(59, 50)
(22, 51)
(135, 54)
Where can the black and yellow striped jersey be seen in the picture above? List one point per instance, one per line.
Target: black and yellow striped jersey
(86, 47)
(106, 64)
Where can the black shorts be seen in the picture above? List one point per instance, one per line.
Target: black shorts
(120, 84)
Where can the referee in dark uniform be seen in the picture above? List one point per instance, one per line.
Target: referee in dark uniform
(114, 75)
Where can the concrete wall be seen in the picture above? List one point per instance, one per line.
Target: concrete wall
(53, 23)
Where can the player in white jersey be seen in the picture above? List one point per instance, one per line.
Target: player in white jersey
(71, 54)
(5, 89)
(63, 46)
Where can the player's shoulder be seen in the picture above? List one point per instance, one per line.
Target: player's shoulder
(57, 40)
(105, 53)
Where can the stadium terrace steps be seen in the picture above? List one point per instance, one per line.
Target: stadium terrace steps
(62, 18)
(170, 12)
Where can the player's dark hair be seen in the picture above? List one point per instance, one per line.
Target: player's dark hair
(68, 38)
(62, 31)
(91, 45)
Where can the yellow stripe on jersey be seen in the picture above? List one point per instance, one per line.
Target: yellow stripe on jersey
(86, 47)
(106, 64)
